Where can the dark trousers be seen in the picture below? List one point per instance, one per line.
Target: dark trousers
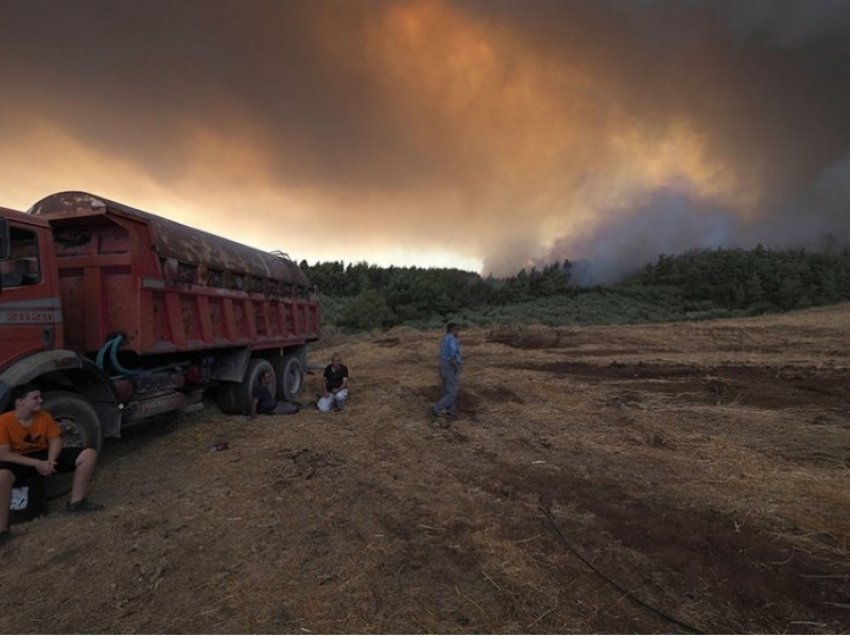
(65, 463)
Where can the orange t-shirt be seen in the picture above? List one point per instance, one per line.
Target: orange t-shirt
(28, 439)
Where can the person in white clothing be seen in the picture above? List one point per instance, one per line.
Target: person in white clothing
(334, 385)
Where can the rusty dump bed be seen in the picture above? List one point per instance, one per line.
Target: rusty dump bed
(166, 286)
(180, 242)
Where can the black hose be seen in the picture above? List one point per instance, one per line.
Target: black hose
(548, 514)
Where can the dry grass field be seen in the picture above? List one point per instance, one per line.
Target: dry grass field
(688, 477)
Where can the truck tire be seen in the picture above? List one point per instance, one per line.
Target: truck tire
(290, 370)
(74, 412)
(225, 395)
(242, 393)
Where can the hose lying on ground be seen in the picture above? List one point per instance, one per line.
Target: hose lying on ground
(559, 533)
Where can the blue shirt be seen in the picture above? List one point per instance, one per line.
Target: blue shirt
(450, 349)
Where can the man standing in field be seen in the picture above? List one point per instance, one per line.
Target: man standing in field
(31, 445)
(451, 362)
(334, 385)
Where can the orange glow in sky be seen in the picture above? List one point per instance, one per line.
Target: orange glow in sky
(424, 132)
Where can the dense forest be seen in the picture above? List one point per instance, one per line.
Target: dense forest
(696, 285)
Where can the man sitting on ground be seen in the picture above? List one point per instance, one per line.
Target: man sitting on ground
(262, 399)
(31, 445)
(334, 385)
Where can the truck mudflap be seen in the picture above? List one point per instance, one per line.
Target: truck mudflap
(231, 366)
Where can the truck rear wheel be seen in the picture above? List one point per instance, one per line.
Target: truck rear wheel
(290, 371)
(225, 395)
(75, 417)
(242, 393)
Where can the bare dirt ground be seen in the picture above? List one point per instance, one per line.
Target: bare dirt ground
(667, 478)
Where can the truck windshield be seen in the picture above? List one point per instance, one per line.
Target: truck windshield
(21, 267)
(4, 239)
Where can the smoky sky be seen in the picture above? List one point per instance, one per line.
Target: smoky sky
(502, 132)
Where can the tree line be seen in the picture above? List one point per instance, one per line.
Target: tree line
(738, 282)
(757, 279)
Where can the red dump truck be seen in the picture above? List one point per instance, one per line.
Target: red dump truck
(118, 315)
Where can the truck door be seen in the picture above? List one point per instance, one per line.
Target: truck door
(30, 309)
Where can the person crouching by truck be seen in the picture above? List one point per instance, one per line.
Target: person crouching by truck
(31, 445)
(334, 385)
(262, 400)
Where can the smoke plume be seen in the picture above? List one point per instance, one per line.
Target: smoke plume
(490, 135)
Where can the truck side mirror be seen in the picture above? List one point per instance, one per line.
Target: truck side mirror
(4, 239)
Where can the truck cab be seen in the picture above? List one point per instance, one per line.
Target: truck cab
(32, 337)
(30, 308)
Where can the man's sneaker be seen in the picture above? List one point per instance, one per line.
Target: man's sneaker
(84, 505)
(5, 535)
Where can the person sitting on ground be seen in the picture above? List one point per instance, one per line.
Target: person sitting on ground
(31, 445)
(334, 385)
(262, 400)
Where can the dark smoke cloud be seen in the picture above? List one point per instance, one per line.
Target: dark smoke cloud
(669, 220)
(132, 77)
(504, 131)
(788, 23)
(767, 85)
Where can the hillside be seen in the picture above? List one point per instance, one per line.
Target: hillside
(652, 478)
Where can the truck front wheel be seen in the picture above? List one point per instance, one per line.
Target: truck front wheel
(75, 417)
